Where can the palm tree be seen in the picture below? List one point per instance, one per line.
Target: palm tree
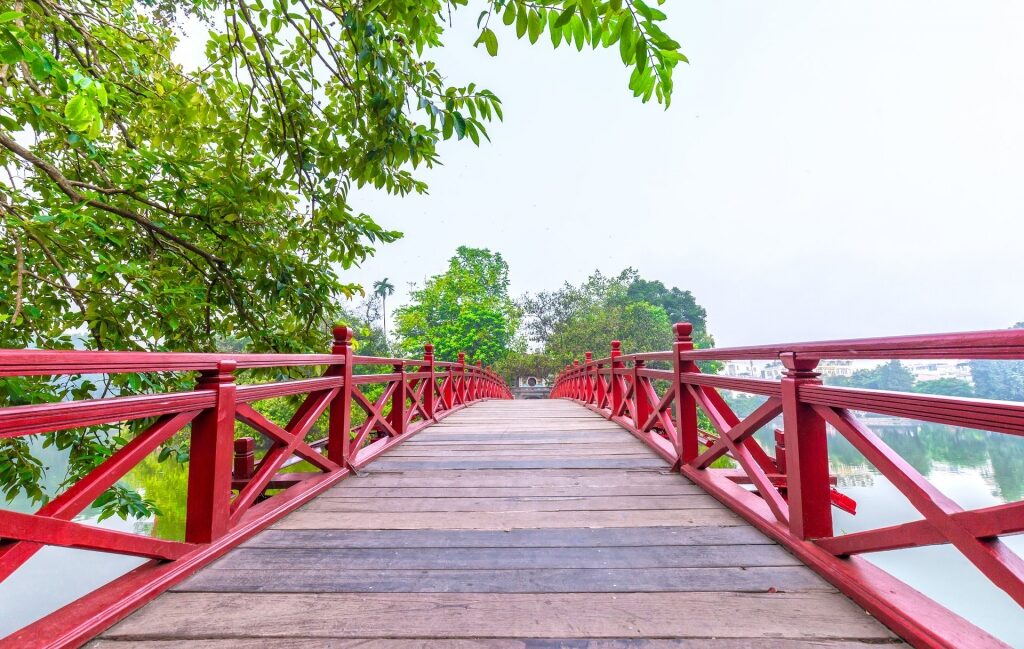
(384, 288)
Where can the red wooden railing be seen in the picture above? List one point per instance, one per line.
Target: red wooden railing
(792, 491)
(227, 498)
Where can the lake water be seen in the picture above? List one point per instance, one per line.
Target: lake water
(976, 469)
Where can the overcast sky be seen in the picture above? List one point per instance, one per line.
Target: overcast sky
(826, 169)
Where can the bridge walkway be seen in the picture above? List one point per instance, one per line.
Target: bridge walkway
(512, 524)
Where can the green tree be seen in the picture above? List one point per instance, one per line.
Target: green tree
(890, 376)
(522, 363)
(945, 387)
(465, 309)
(1002, 380)
(575, 319)
(680, 305)
(383, 288)
(149, 206)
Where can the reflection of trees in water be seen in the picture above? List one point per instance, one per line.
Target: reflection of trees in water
(166, 484)
(997, 457)
(1008, 467)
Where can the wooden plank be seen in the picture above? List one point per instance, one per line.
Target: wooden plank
(519, 504)
(431, 438)
(303, 520)
(539, 521)
(487, 643)
(505, 558)
(376, 475)
(535, 463)
(567, 451)
(804, 615)
(375, 491)
(550, 537)
(341, 578)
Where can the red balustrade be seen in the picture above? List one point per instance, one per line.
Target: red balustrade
(228, 497)
(793, 492)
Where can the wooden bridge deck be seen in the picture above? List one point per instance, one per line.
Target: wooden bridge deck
(511, 523)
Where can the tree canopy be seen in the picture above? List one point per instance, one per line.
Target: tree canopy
(154, 206)
(465, 309)
(999, 379)
(890, 376)
(146, 205)
(640, 313)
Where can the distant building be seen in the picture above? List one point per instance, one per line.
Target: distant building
(836, 368)
(531, 382)
(774, 370)
(940, 369)
(530, 387)
(926, 370)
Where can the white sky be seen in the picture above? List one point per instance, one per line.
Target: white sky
(826, 169)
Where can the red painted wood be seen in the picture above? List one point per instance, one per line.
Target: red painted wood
(38, 362)
(806, 453)
(431, 385)
(210, 455)
(794, 490)
(47, 530)
(81, 494)
(216, 519)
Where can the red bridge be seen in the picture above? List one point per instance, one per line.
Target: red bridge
(512, 523)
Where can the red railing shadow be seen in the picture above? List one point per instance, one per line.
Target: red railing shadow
(793, 492)
(228, 489)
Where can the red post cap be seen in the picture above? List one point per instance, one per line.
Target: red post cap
(682, 329)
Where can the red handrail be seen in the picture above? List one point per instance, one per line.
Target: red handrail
(227, 499)
(793, 492)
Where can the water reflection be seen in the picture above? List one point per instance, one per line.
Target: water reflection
(974, 468)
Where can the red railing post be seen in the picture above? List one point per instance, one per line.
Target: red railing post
(687, 445)
(210, 458)
(397, 415)
(461, 387)
(428, 389)
(588, 385)
(244, 464)
(478, 379)
(616, 385)
(339, 422)
(449, 389)
(810, 507)
(576, 379)
(640, 397)
(600, 386)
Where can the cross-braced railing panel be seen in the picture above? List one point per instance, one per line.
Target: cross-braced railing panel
(233, 490)
(681, 413)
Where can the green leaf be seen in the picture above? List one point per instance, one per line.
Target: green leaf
(579, 32)
(566, 15)
(535, 26)
(521, 21)
(81, 112)
(626, 41)
(648, 12)
(587, 9)
(460, 125)
(509, 15)
(490, 41)
(555, 32)
(640, 56)
(10, 16)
